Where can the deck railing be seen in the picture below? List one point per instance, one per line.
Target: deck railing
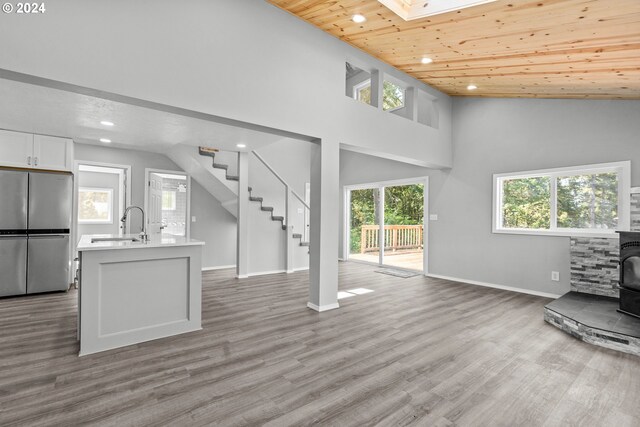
(395, 237)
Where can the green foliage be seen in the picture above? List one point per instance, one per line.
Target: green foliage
(404, 205)
(392, 96)
(583, 201)
(526, 203)
(588, 201)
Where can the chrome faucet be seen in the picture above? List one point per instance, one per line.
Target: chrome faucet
(123, 220)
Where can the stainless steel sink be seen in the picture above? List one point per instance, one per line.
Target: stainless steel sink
(114, 239)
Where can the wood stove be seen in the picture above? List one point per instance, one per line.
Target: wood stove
(630, 273)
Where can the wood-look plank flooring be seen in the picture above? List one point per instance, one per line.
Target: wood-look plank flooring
(416, 351)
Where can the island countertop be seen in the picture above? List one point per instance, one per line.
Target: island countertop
(88, 242)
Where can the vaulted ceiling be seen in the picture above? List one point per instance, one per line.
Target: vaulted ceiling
(508, 48)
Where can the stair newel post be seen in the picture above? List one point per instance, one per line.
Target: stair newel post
(289, 230)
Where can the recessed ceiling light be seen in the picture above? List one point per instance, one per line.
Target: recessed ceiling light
(426, 60)
(472, 87)
(105, 140)
(241, 145)
(106, 123)
(358, 19)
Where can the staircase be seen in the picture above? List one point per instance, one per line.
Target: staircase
(211, 152)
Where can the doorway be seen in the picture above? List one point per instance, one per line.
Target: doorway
(168, 202)
(385, 224)
(103, 192)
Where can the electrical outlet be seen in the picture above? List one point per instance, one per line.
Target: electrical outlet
(555, 276)
(193, 219)
(433, 217)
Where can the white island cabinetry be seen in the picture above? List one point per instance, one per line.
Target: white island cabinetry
(133, 291)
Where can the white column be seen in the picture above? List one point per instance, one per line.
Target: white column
(411, 103)
(377, 86)
(325, 199)
(242, 245)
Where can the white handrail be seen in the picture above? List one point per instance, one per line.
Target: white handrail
(264, 162)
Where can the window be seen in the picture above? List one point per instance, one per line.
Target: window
(95, 205)
(392, 96)
(583, 200)
(168, 200)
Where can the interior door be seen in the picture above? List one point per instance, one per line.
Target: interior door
(154, 204)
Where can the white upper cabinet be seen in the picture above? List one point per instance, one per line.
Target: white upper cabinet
(51, 152)
(16, 149)
(26, 150)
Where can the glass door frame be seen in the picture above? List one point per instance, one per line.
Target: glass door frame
(346, 226)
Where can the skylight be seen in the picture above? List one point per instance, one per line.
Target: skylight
(415, 9)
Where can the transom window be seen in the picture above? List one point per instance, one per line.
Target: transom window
(392, 94)
(591, 200)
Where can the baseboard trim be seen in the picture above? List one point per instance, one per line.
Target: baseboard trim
(322, 308)
(242, 276)
(300, 269)
(219, 267)
(495, 286)
(264, 273)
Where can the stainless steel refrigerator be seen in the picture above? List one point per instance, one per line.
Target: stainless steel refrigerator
(35, 222)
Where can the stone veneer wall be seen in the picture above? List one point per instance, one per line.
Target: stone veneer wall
(594, 266)
(635, 212)
(594, 261)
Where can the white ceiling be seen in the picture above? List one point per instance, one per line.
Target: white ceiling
(38, 109)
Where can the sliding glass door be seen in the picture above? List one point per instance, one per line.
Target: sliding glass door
(386, 225)
(403, 226)
(365, 225)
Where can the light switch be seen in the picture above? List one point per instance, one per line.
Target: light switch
(433, 217)
(193, 219)
(300, 210)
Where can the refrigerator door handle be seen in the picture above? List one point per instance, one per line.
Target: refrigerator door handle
(47, 236)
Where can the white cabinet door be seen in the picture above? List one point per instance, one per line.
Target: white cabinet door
(16, 149)
(50, 152)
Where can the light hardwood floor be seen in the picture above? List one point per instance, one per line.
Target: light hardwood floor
(416, 351)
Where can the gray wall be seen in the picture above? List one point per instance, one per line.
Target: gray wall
(243, 59)
(214, 225)
(509, 135)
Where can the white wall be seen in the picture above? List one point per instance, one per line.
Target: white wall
(242, 59)
(214, 225)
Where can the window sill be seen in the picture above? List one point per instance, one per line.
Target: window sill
(609, 234)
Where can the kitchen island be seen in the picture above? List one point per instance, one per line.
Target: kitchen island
(133, 291)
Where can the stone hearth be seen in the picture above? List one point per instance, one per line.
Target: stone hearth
(595, 319)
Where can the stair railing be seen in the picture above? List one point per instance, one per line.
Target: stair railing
(287, 208)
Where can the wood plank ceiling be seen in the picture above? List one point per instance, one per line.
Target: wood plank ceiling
(509, 48)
